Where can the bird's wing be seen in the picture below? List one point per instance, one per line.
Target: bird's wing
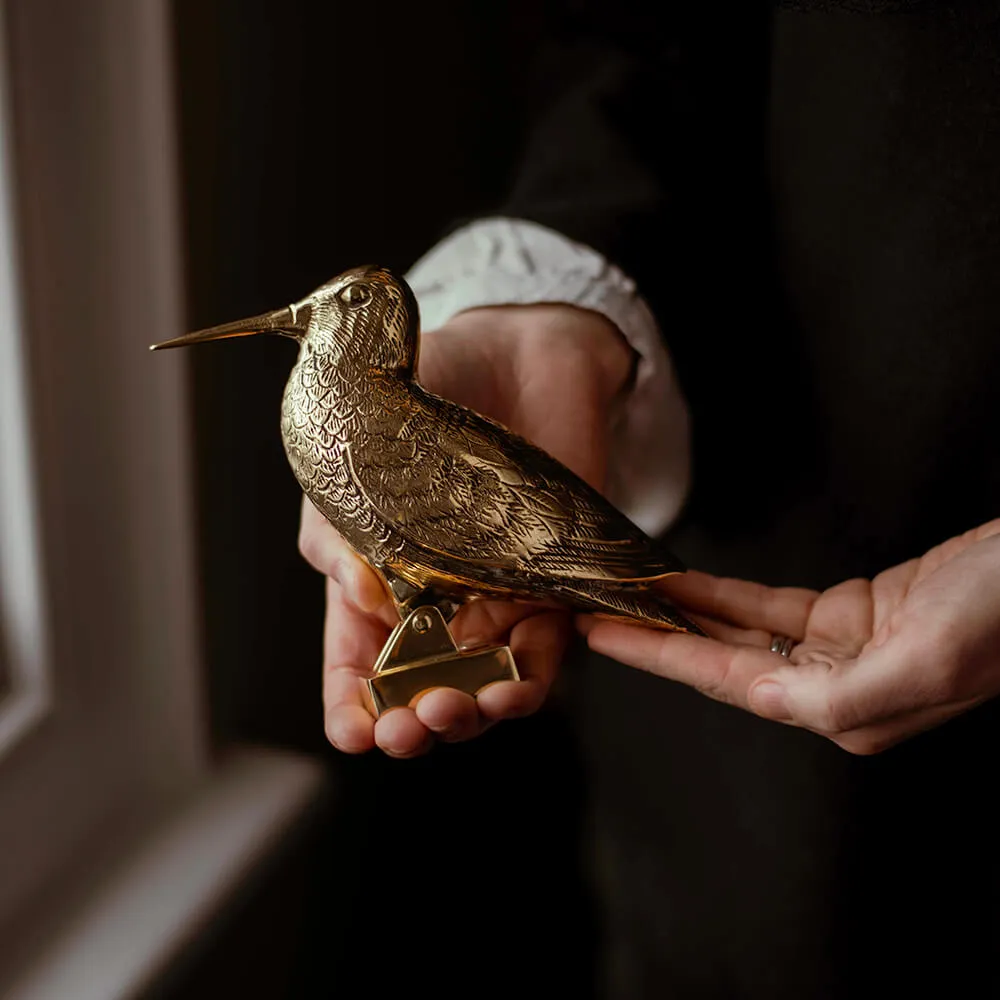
(457, 484)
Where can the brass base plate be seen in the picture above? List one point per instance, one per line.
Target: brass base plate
(421, 654)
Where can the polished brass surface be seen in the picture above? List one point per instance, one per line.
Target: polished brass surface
(422, 654)
(435, 496)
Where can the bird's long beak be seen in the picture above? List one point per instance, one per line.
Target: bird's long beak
(284, 322)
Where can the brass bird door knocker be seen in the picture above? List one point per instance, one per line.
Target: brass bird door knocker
(445, 504)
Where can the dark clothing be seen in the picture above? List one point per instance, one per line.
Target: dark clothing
(809, 199)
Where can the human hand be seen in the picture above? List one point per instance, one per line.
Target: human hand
(549, 372)
(875, 661)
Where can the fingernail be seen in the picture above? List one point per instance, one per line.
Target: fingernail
(421, 748)
(770, 700)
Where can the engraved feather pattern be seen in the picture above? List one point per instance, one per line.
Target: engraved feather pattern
(531, 516)
(436, 493)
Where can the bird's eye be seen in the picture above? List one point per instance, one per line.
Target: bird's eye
(355, 295)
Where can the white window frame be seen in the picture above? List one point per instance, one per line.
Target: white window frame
(24, 656)
(110, 809)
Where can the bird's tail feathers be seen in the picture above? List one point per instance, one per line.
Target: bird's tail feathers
(642, 606)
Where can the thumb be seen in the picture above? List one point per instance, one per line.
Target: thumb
(831, 697)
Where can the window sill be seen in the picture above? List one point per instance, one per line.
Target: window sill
(169, 888)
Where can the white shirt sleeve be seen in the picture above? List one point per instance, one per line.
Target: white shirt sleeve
(502, 261)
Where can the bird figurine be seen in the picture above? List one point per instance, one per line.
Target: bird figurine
(444, 503)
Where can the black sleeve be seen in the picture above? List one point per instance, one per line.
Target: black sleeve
(647, 150)
(598, 164)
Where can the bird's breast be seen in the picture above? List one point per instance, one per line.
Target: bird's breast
(318, 420)
(325, 415)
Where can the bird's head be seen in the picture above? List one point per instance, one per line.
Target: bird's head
(366, 315)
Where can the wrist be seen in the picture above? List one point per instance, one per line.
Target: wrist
(581, 339)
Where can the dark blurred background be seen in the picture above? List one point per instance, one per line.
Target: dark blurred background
(315, 137)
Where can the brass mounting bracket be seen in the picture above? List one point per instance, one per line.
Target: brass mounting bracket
(421, 653)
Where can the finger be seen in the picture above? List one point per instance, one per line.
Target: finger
(715, 629)
(830, 696)
(451, 715)
(480, 623)
(349, 725)
(400, 733)
(325, 550)
(351, 638)
(733, 634)
(538, 643)
(719, 670)
(351, 643)
(865, 739)
(780, 610)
